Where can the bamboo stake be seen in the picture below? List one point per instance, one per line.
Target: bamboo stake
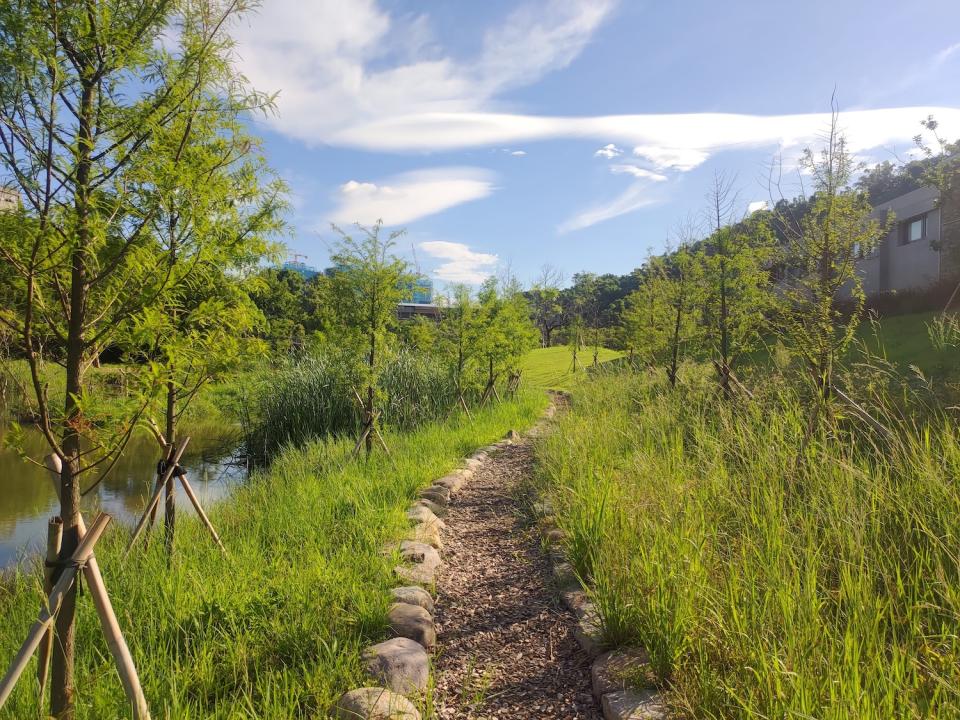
(47, 614)
(108, 619)
(54, 539)
(171, 466)
(201, 513)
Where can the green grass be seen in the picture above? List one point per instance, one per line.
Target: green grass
(764, 586)
(276, 630)
(551, 368)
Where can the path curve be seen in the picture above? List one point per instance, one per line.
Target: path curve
(505, 644)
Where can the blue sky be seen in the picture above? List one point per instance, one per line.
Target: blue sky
(575, 133)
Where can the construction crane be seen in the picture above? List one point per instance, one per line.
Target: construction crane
(296, 257)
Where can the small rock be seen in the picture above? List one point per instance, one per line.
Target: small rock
(413, 595)
(429, 534)
(400, 663)
(437, 493)
(633, 705)
(374, 703)
(618, 670)
(555, 536)
(576, 601)
(416, 574)
(564, 577)
(544, 508)
(453, 482)
(420, 514)
(512, 435)
(433, 507)
(472, 463)
(414, 623)
(587, 632)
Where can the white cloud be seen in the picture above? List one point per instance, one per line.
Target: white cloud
(941, 57)
(409, 196)
(757, 205)
(636, 196)
(461, 264)
(637, 172)
(518, 153)
(608, 151)
(677, 141)
(342, 65)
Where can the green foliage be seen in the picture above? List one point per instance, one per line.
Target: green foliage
(501, 332)
(826, 243)
(760, 586)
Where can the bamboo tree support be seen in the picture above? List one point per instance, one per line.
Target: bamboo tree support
(187, 488)
(54, 539)
(82, 558)
(108, 618)
(369, 429)
(155, 498)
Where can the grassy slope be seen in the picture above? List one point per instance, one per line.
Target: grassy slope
(550, 367)
(832, 592)
(276, 630)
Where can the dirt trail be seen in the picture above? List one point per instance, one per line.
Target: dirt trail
(506, 647)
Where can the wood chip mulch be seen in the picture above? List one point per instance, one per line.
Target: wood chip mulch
(505, 644)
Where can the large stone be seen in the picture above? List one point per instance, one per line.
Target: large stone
(413, 595)
(399, 663)
(420, 514)
(633, 705)
(438, 510)
(374, 703)
(437, 493)
(414, 623)
(419, 553)
(619, 669)
(587, 632)
(429, 534)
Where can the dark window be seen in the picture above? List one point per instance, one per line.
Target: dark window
(913, 229)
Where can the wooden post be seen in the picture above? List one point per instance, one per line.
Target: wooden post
(54, 537)
(35, 636)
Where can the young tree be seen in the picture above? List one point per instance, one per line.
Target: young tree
(546, 303)
(367, 284)
(85, 89)
(677, 288)
(645, 331)
(825, 243)
(502, 332)
(457, 335)
(734, 259)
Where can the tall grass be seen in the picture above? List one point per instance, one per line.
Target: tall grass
(275, 630)
(315, 397)
(765, 583)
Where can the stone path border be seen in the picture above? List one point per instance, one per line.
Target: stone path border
(402, 664)
(614, 670)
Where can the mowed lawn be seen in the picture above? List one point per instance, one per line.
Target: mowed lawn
(551, 368)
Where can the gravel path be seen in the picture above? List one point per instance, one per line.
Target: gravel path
(506, 646)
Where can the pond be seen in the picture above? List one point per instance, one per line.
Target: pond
(27, 498)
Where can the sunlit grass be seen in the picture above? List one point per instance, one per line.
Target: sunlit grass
(552, 368)
(763, 586)
(276, 630)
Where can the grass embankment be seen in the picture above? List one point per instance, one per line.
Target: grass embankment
(762, 587)
(276, 630)
(551, 368)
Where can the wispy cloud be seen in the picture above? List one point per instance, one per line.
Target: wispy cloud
(410, 196)
(638, 195)
(518, 153)
(637, 172)
(365, 63)
(460, 263)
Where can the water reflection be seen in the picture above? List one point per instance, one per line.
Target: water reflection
(28, 500)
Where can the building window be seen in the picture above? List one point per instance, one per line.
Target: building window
(913, 229)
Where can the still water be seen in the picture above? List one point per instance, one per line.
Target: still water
(28, 500)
